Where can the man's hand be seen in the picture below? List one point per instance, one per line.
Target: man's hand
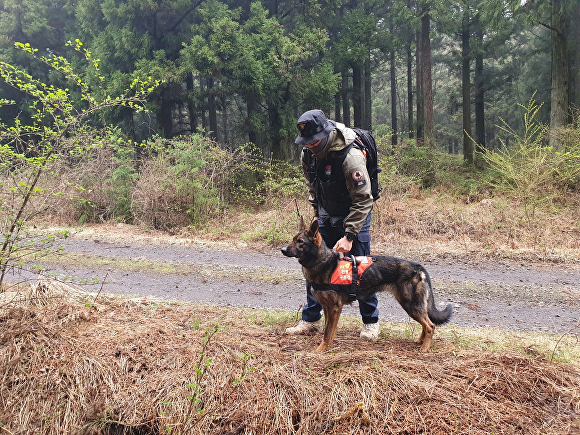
(343, 245)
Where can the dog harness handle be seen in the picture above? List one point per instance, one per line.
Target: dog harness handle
(355, 280)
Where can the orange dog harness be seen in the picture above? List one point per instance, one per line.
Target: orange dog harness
(347, 275)
(343, 274)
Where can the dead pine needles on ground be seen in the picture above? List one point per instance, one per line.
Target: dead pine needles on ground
(71, 364)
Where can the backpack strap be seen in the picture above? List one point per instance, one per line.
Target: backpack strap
(311, 163)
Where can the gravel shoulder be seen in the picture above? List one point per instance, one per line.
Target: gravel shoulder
(499, 294)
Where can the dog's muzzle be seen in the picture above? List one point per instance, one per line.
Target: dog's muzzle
(288, 252)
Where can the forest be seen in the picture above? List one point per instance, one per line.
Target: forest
(157, 137)
(439, 72)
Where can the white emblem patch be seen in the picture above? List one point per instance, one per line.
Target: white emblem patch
(359, 177)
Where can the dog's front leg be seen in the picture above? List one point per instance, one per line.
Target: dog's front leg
(332, 306)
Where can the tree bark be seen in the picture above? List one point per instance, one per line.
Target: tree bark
(429, 126)
(337, 99)
(190, 103)
(224, 102)
(345, 97)
(420, 113)
(164, 118)
(357, 95)
(368, 98)
(275, 126)
(479, 93)
(559, 95)
(393, 97)
(410, 86)
(466, 89)
(574, 47)
(213, 127)
(251, 109)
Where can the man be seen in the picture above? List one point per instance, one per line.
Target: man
(340, 193)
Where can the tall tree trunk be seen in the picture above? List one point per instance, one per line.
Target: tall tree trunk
(368, 104)
(419, 92)
(251, 109)
(429, 125)
(345, 96)
(357, 95)
(274, 121)
(479, 92)
(203, 113)
(466, 89)
(337, 98)
(164, 118)
(574, 47)
(190, 104)
(410, 83)
(559, 96)
(213, 127)
(393, 96)
(128, 116)
(224, 102)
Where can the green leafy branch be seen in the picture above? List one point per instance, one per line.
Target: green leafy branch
(58, 127)
(201, 369)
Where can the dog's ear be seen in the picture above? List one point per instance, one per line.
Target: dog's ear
(314, 233)
(313, 228)
(302, 224)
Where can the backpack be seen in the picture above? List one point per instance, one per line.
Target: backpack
(366, 143)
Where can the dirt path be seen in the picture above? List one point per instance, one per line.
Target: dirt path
(505, 294)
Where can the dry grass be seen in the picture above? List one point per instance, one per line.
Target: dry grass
(438, 225)
(414, 224)
(426, 225)
(71, 364)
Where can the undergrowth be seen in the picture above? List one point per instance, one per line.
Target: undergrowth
(121, 365)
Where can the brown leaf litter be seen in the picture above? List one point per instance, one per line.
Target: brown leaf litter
(73, 364)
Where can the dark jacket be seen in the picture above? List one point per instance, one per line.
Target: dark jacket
(343, 196)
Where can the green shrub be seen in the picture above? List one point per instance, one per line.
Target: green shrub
(280, 183)
(107, 172)
(405, 165)
(172, 189)
(187, 181)
(528, 170)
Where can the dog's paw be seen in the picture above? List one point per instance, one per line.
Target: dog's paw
(322, 348)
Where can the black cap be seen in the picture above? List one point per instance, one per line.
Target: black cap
(313, 126)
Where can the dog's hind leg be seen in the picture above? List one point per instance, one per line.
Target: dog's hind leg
(426, 336)
(417, 307)
(332, 306)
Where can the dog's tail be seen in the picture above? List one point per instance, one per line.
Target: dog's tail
(438, 317)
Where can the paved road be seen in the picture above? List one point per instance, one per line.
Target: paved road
(500, 294)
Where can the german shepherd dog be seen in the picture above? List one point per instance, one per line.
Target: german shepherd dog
(408, 282)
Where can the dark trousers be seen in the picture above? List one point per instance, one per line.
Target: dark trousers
(311, 311)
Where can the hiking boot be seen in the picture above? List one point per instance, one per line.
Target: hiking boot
(304, 327)
(370, 331)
